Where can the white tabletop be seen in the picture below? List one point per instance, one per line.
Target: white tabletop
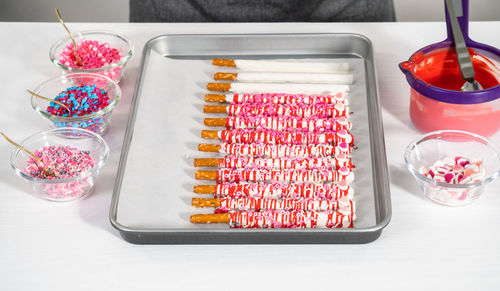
(72, 246)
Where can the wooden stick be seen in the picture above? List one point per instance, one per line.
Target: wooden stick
(223, 62)
(225, 76)
(214, 109)
(210, 218)
(204, 189)
(214, 148)
(215, 122)
(48, 99)
(215, 98)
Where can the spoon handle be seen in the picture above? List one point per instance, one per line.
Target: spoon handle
(463, 56)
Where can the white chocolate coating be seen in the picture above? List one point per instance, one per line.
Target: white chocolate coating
(287, 66)
(288, 88)
(311, 78)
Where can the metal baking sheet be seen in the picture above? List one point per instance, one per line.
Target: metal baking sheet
(153, 190)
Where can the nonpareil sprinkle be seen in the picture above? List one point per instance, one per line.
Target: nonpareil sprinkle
(80, 100)
(62, 161)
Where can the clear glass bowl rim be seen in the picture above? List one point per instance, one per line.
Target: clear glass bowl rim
(99, 113)
(425, 137)
(90, 173)
(123, 60)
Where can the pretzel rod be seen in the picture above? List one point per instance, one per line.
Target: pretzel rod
(299, 110)
(225, 204)
(284, 66)
(279, 137)
(280, 219)
(279, 98)
(233, 162)
(285, 123)
(277, 151)
(284, 190)
(288, 88)
(288, 77)
(289, 175)
(331, 191)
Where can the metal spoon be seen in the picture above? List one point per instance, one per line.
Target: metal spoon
(463, 56)
(47, 173)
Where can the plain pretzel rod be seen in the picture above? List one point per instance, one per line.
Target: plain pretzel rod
(288, 77)
(233, 162)
(298, 110)
(271, 203)
(288, 175)
(284, 66)
(285, 123)
(332, 191)
(279, 137)
(278, 87)
(280, 219)
(279, 98)
(276, 151)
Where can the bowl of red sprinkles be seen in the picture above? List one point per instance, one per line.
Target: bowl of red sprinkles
(69, 160)
(101, 52)
(452, 167)
(88, 99)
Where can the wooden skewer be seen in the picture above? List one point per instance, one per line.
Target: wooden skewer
(50, 100)
(77, 57)
(38, 161)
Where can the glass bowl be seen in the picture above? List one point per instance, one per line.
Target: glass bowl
(439, 145)
(62, 189)
(98, 121)
(112, 70)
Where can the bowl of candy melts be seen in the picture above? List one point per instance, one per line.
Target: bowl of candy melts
(90, 99)
(452, 167)
(72, 156)
(101, 52)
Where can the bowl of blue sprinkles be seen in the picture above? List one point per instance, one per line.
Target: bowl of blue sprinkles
(80, 100)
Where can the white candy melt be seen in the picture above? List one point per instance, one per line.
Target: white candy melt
(284, 66)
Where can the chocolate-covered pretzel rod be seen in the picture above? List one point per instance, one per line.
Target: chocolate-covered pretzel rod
(280, 219)
(331, 191)
(288, 88)
(278, 137)
(299, 110)
(287, 77)
(233, 162)
(284, 66)
(276, 151)
(282, 123)
(225, 204)
(279, 98)
(289, 175)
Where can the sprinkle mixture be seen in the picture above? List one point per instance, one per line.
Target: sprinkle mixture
(94, 55)
(81, 100)
(458, 170)
(63, 161)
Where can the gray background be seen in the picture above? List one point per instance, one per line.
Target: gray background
(118, 10)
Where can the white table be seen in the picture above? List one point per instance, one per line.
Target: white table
(72, 246)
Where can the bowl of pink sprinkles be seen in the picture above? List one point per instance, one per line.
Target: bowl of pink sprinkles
(69, 160)
(101, 52)
(452, 167)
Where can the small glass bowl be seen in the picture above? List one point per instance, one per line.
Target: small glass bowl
(62, 189)
(98, 121)
(438, 145)
(113, 70)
